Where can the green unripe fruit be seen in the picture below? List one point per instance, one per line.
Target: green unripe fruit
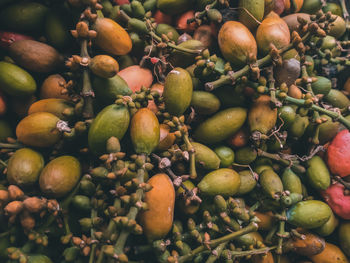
(318, 173)
(206, 157)
(291, 182)
(248, 182)
(226, 155)
(271, 183)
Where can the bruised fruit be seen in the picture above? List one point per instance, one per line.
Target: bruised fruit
(53, 87)
(104, 66)
(60, 176)
(338, 154)
(36, 56)
(24, 167)
(61, 108)
(144, 131)
(236, 43)
(338, 200)
(310, 245)
(158, 219)
(330, 254)
(111, 37)
(222, 181)
(221, 126)
(112, 121)
(177, 91)
(15, 81)
(38, 130)
(136, 77)
(205, 157)
(309, 214)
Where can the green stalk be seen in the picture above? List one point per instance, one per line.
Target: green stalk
(191, 152)
(252, 252)
(214, 243)
(216, 253)
(10, 146)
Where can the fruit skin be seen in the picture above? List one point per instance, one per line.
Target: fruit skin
(338, 154)
(113, 120)
(226, 155)
(271, 183)
(249, 8)
(272, 30)
(337, 99)
(188, 209)
(36, 56)
(104, 66)
(224, 181)
(299, 126)
(56, 29)
(182, 59)
(166, 138)
(309, 214)
(24, 167)
(236, 43)
(136, 77)
(221, 125)
(291, 182)
(321, 86)
(309, 246)
(158, 219)
(7, 38)
(205, 157)
(111, 37)
(177, 91)
(52, 87)
(60, 176)
(144, 131)
(15, 81)
(205, 103)
(261, 116)
(311, 6)
(248, 182)
(167, 30)
(337, 200)
(61, 108)
(328, 228)
(38, 259)
(344, 237)
(5, 131)
(38, 130)
(25, 17)
(318, 174)
(330, 254)
(174, 7)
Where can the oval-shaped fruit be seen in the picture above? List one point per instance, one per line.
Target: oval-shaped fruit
(330, 254)
(104, 66)
(111, 37)
(136, 77)
(182, 59)
(52, 87)
(113, 120)
(61, 108)
(321, 86)
(328, 228)
(309, 214)
(251, 12)
(82, 203)
(177, 91)
(205, 103)
(292, 21)
(144, 131)
(158, 219)
(318, 174)
(181, 22)
(311, 6)
(299, 126)
(60, 176)
(26, 17)
(272, 30)
(7, 38)
(337, 99)
(56, 29)
(224, 181)
(221, 126)
(261, 116)
(288, 72)
(107, 90)
(344, 237)
(327, 130)
(38, 130)
(167, 30)
(271, 183)
(24, 167)
(205, 157)
(174, 7)
(266, 258)
(287, 115)
(236, 43)
(36, 56)
(338, 200)
(338, 154)
(226, 155)
(248, 182)
(166, 138)
(38, 259)
(16, 81)
(245, 155)
(291, 182)
(5, 131)
(310, 245)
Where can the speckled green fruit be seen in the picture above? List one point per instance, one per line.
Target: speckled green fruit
(291, 182)
(114, 121)
(60, 176)
(205, 157)
(15, 81)
(321, 86)
(344, 237)
(167, 30)
(174, 7)
(328, 228)
(337, 99)
(318, 173)
(245, 155)
(24, 167)
(144, 131)
(223, 181)
(5, 131)
(177, 91)
(271, 183)
(226, 155)
(221, 126)
(205, 103)
(248, 182)
(309, 214)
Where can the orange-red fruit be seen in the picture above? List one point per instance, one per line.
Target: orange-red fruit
(158, 219)
(298, 5)
(331, 254)
(3, 106)
(338, 154)
(162, 18)
(181, 22)
(136, 77)
(52, 87)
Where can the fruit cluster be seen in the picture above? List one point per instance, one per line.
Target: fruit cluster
(174, 131)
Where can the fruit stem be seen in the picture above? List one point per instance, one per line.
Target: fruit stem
(215, 254)
(191, 152)
(201, 14)
(3, 163)
(332, 114)
(281, 234)
(119, 246)
(11, 145)
(231, 77)
(252, 252)
(214, 243)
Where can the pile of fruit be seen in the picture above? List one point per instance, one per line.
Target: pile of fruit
(174, 131)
